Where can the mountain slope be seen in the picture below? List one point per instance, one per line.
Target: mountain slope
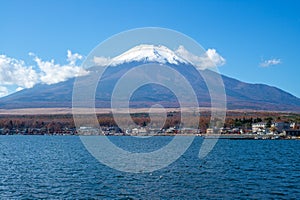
(239, 95)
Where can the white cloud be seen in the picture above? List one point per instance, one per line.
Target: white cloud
(102, 61)
(267, 63)
(19, 89)
(14, 72)
(3, 91)
(51, 73)
(209, 59)
(216, 58)
(73, 58)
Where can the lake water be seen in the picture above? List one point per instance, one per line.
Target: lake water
(55, 167)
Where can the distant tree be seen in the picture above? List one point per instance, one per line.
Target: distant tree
(238, 123)
(256, 120)
(273, 129)
(269, 122)
(278, 118)
(9, 124)
(144, 124)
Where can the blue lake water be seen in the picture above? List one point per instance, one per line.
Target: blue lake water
(59, 167)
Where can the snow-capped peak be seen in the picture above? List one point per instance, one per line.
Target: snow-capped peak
(163, 55)
(150, 53)
(144, 53)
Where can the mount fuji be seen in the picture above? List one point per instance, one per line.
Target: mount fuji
(239, 95)
(144, 53)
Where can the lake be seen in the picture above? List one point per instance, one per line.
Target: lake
(59, 167)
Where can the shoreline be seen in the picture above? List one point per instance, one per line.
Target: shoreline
(67, 111)
(204, 136)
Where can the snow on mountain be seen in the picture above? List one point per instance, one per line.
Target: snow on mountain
(163, 55)
(143, 53)
(149, 53)
(239, 95)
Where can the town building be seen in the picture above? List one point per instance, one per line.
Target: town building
(292, 132)
(295, 125)
(280, 126)
(259, 127)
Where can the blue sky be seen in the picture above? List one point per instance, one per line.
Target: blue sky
(260, 40)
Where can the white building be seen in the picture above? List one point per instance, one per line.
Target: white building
(139, 131)
(86, 130)
(259, 127)
(294, 125)
(213, 131)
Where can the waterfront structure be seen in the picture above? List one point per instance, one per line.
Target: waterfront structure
(259, 127)
(85, 130)
(295, 125)
(139, 131)
(280, 126)
(292, 132)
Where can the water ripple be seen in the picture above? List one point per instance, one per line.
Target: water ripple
(59, 167)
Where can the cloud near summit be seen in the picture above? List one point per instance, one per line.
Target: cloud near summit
(17, 74)
(209, 59)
